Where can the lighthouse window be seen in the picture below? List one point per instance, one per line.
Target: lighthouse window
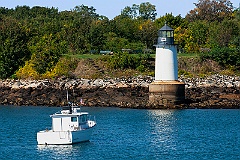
(170, 34)
(163, 34)
(73, 119)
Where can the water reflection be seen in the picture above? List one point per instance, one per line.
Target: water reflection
(164, 113)
(57, 149)
(162, 122)
(64, 151)
(161, 119)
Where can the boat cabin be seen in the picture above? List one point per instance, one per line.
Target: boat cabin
(68, 120)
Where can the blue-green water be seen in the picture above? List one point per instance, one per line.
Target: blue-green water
(126, 134)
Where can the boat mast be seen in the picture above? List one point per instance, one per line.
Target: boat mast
(69, 104)
(67, 95)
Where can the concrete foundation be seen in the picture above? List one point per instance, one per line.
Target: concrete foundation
(166, 93)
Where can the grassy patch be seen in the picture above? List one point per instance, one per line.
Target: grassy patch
(84, 56)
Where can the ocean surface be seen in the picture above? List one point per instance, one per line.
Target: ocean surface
(126, 134)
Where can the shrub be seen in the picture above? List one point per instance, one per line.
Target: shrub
(141, 68)
(64, 67)
(185, 73)
(127, 61)
(224, 56)
(27, 72)
(122, 61)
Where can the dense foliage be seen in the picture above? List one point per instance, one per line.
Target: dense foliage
(128, 61)
(33, 40)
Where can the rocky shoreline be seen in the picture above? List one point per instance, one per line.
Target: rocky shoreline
(216, 91)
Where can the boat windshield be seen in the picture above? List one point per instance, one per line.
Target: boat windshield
(83, 118)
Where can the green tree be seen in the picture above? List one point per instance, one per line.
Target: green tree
(211, 10)
(147, 11)
(199, 33)
(78, 27)
(131, 12)
(13, 46)
(46, 53)
(6, 12)
(172, 21)
(114, 43)
(22, 12)
(147, 33)
(38, 11)
(236, 14)
(222, 34)
(124, 27)
(85, 11)
(96, 37)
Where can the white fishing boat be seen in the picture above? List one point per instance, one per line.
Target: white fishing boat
(70, 125)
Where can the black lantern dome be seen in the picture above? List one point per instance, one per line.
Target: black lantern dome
(166, 36)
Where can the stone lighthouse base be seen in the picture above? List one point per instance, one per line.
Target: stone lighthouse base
(166, 93)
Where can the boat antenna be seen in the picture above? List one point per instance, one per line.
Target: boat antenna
(81, 103)
(67, 95)
(73, 97)
(69, 104)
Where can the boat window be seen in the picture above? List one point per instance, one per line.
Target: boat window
(83, 118)
(73, 119)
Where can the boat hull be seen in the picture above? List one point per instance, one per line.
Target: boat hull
(63, 137)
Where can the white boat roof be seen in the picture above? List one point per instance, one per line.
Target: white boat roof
(76, 111)
(64, 114)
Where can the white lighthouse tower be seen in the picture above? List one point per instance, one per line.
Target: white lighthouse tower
(166, 68)
(166, 90)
